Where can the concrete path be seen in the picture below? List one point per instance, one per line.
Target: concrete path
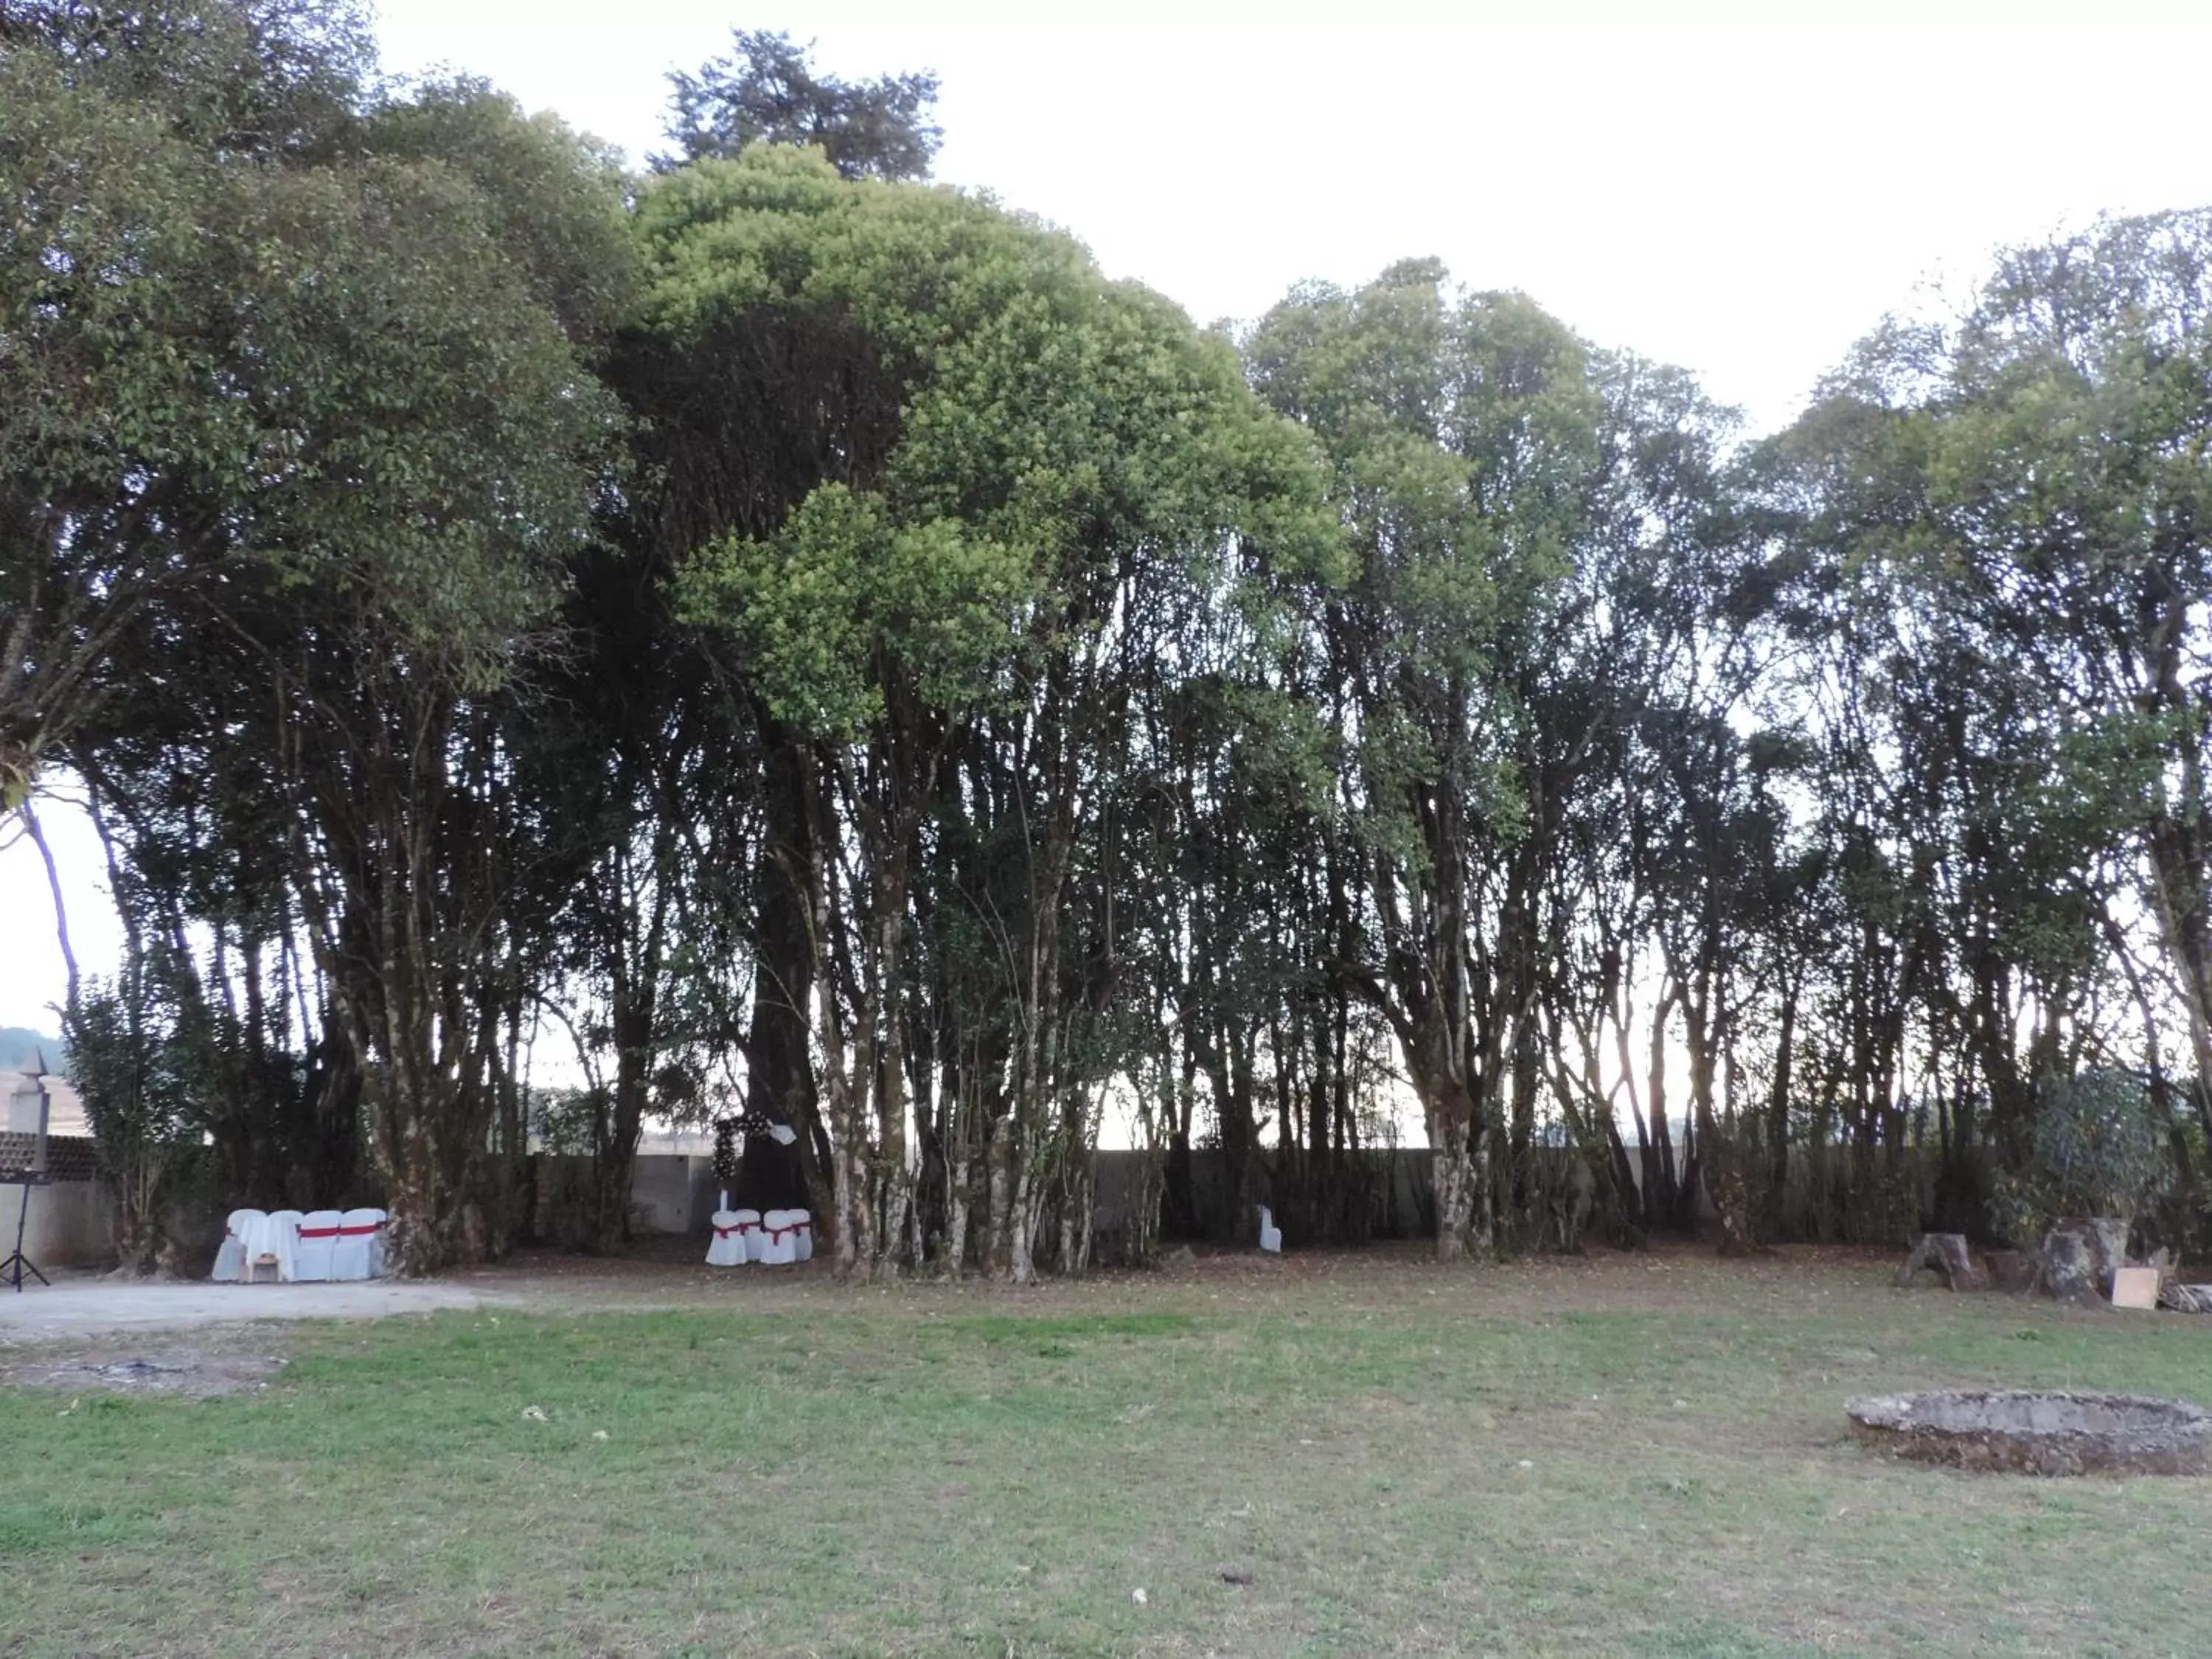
(79, 1307)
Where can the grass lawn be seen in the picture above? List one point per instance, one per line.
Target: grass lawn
(1627, 1454)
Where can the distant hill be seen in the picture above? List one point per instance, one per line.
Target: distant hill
(20, 1048)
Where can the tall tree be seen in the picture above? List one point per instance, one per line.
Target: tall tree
(769, 92)
(1004, 473)
(333, 513)
(137, 150)
(1463, 433)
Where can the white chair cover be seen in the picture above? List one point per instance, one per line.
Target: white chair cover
(802, 1225)
(230, 1257)
(1271, 1236)
(748, 1223)
(727, 1248)
(353, 1252)
(274, 1240)
(319, 1245)
(782, 1249)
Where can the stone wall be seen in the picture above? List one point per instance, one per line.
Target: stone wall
(69, 1157)
(70, 1218)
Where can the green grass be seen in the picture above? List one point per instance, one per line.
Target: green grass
(1621, 1457)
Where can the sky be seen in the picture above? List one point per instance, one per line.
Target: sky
(1742, 189)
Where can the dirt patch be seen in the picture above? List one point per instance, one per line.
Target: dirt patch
(81, 1308)
(198, 1370)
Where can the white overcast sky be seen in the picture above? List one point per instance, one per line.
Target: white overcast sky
(1740, 189)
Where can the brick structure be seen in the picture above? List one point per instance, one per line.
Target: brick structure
(69, 1157)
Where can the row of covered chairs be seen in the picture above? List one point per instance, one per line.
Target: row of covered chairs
(288, 1246)
(776, 1239)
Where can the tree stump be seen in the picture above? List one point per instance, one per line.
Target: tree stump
(2012, 1270)
(1947, 1254)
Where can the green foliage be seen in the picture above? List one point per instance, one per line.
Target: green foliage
(565, 1122)
(841, 595)
(300, 362)
(137, 1072)
(2097, 1149)
(141, 1065)
(967, 365)
(242, 76)
(1463, 435)
(552, 200)
(766, 91)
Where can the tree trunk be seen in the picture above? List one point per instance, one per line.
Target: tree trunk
(1777, 1114)
(614, 1159)
(1021, 1222)
(1455, 1177)
(999, 1237)
(430, 1189)
(779, 1071)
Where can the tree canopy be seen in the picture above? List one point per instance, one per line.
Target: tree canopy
(766, 91)
(807, 643)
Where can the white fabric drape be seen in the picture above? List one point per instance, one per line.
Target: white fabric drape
(270, 1242)
(317, 1248)
(230, 1258)
(355, 1253)
(727, 1248)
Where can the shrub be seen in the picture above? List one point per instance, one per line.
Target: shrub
(2096, 1150)
(134, 1073)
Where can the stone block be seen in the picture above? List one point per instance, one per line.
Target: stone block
(2135, 1287)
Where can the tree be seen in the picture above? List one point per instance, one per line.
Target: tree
(2000, 561)
(768, 92)
(457, 439)
(998, 477)
(134, 145)
(2070, 502)
(143, 1097)
(313, 538)
(1463, 437)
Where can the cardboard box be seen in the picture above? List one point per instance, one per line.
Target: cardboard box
(2135, 1287)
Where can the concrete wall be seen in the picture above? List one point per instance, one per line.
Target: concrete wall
(71, 1223)
(1399, 1197)
(672, 1194)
